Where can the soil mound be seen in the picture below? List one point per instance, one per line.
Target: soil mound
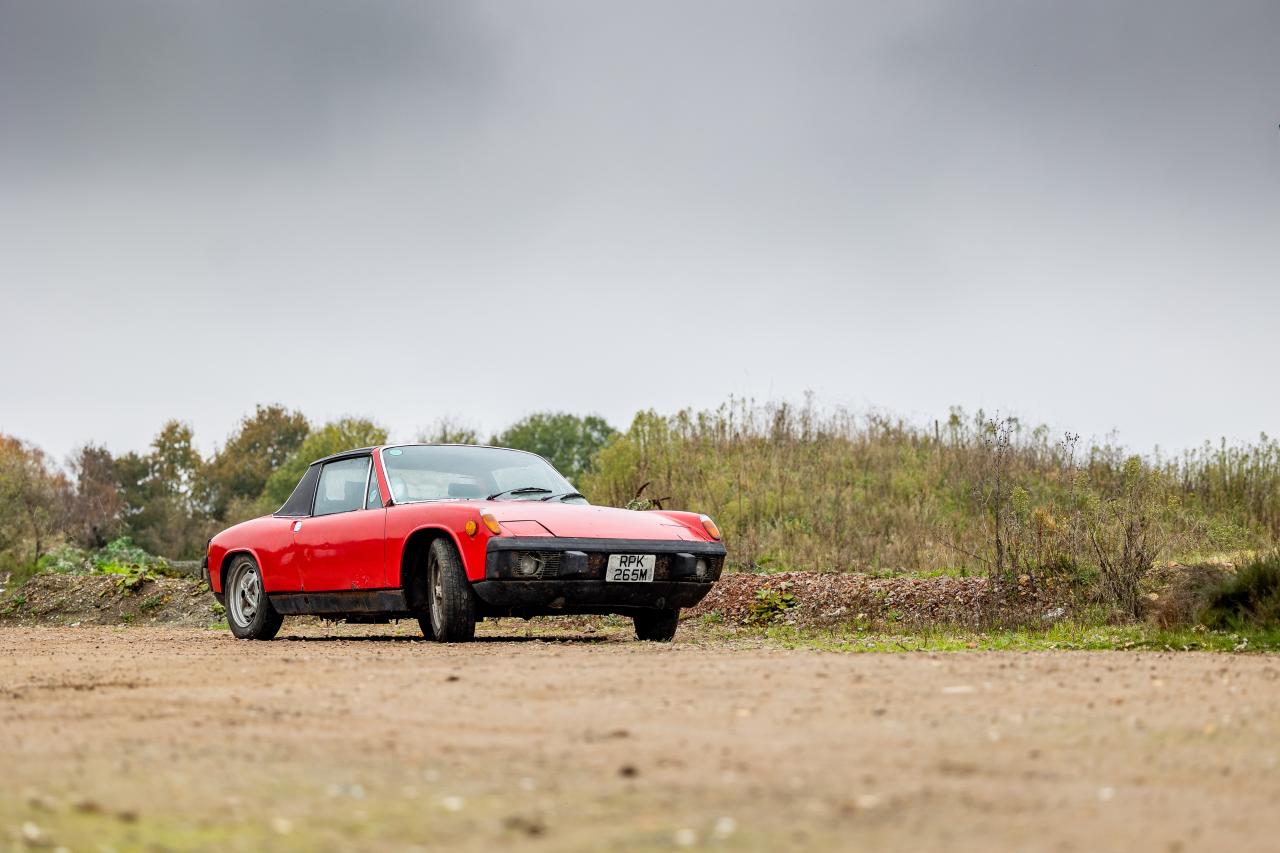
(65, 599)
(801, 598)
(825, 597)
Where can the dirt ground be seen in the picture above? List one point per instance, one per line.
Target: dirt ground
(366, 738)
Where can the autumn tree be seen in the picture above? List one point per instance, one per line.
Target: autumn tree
(333, 437)
(95, 506)
(32, 497)
(262, 442)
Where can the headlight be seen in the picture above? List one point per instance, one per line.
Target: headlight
(710, 526)
(701, 568)
(528, 565)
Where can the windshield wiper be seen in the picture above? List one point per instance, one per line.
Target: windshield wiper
(564, 496)
(523, 490)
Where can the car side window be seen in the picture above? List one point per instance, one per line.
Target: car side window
(374, 498)
(342, 485)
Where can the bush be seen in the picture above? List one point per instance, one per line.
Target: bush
(1250, 599)
(121, 555)
(66, 560)
(772, 604)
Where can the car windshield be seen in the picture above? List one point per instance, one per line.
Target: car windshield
(463, 472)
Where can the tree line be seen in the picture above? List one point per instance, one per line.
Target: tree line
(169, 499)
(792, 487)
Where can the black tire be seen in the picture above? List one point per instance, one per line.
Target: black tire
(451, 605)
(249, 611)
(428, 633)
(658, 626)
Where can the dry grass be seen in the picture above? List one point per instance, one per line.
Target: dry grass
(799, 488)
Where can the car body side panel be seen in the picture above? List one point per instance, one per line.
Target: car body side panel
(449, 517)
(341, 551)
(270, 541)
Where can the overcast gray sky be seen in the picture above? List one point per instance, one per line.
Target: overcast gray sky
(406, 210)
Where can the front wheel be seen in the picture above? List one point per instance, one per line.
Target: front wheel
(451, 605)
(249, 611)
(658, 626)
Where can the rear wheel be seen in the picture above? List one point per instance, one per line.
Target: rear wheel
(249, 611)
(659, 626)
(451, 608)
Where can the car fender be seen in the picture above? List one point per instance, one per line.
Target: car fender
(269, 540)
(219, 563)
(691, 520)
(449, 521)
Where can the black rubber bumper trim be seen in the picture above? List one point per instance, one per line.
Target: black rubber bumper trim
(591, 596)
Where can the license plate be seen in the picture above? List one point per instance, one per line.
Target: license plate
(631, 567)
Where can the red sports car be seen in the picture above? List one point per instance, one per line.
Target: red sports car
(450, 534)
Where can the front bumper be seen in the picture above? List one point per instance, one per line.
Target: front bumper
(570, 576)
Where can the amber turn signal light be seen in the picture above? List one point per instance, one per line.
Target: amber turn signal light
(471, 527)
(490, 522)
(710, 527)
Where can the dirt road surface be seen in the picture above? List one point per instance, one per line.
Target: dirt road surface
(356, 738)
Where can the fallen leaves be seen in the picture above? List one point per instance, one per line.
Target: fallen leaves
(825, 597)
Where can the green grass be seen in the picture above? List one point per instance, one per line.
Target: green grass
(1066, 636)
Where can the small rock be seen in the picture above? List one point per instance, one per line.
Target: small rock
(868, 801)
(531, 826)
(724, 827)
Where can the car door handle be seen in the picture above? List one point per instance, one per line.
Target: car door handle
(297, 525)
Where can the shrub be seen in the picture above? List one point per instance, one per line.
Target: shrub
(1128, 532)
(1250, 599)
(771, 604)
(122, 553)
(66, 559)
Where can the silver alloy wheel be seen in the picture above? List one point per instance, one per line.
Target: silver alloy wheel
(246, 596)
(437, 593)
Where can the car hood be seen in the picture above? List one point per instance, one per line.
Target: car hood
(588, 522)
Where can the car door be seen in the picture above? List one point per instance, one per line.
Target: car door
(340, 546)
